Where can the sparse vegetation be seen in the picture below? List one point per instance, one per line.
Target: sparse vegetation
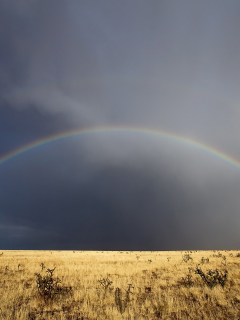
(224, 262)
(212, 277)
(186, 257)
(49, 287)
(42, 266)
(120, 302)
(219, 255)
(203, 260)
(186, 281)
(105, 283)
(114, 285)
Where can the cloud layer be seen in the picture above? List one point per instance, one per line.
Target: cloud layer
(170, 67)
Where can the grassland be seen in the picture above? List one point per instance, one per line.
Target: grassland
(119, 285)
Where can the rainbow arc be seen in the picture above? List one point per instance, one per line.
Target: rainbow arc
(63, 135)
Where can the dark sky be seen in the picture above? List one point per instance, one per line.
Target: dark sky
(172, 66)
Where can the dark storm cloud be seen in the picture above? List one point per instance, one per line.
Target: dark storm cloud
(44, 60)
(156, 64)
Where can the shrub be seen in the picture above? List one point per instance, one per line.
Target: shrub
(203, 260)
(219, 255)
(122, 303)
(105, 282)
(42, 266)
(186, 281)
(224, 262)
(186, 257)
(213, 277)
(48, 287)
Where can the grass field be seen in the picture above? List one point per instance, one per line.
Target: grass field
(119, 285)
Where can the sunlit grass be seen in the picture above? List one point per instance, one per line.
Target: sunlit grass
(120, 285)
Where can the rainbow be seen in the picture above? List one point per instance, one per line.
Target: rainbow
(75, 132)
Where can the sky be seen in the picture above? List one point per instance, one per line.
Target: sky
(136, 80)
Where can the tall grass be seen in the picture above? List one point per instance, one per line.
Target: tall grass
(117, 285)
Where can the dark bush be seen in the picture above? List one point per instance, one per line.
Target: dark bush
(213, 277)
(48, 287)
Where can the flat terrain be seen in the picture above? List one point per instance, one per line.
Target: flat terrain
(119, 285)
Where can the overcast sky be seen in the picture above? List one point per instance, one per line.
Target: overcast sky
(172, 66)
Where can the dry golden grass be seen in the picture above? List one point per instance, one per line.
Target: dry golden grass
(158, 293)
